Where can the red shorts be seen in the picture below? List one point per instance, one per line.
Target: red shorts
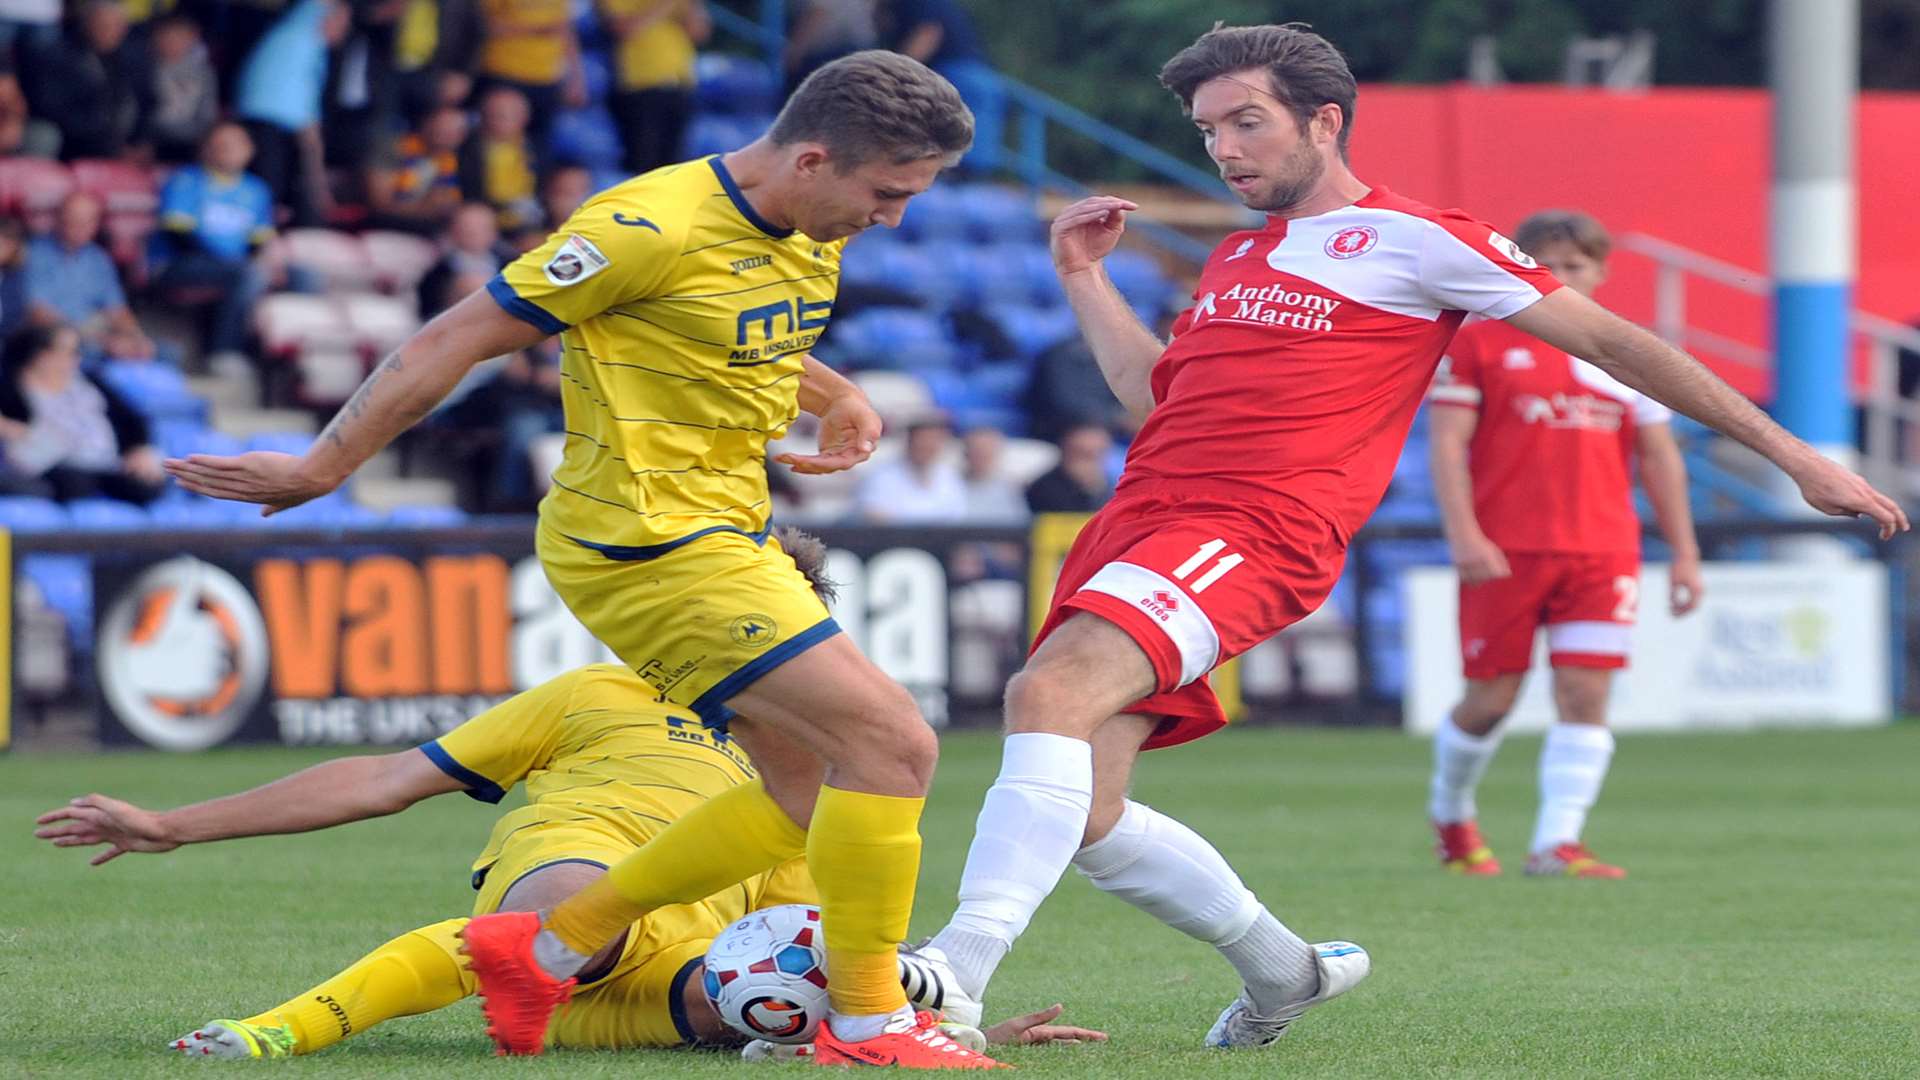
(1195, 583)
(1587, 602)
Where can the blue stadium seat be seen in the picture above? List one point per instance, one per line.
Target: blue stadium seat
(28, 514)
(897, 339)
(66, 581)
(1389, 667)
(586, 137)
(916, 270)
(157, 390)
(994, 214)
(1002, 384)
(938, 216)
(178, 438)
(193, 512)
(1033, 330)
(953, 391)
(734, 84)
(709, 133)
(1010, 421)
(281, 442)
(107, 515)
(1031, 265)
(426, 517)
(1139, 279)
(597, 68)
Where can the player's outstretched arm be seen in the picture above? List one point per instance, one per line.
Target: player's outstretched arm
(1085, 233)
(332, 793)
(1571, 322)
(1039, 1027)
(404, 388)
(1663, 472)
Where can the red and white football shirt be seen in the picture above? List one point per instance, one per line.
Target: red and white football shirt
(1299, 369)
(1551, 455)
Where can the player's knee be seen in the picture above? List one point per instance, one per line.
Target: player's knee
(1042, 698)
(891, 730)
(1581, 699)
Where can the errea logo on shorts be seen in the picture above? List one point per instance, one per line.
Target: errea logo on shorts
(1162, 605)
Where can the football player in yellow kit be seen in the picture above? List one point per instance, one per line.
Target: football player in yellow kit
(606, 767)
(687, 300)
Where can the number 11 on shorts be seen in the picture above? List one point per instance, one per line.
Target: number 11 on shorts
(1207, 551)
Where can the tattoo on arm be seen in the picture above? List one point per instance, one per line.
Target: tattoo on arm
(356, 406)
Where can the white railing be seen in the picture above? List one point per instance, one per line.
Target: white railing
(1892, 423)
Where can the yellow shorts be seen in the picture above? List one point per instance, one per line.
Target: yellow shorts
(699, 620)
(592, 842)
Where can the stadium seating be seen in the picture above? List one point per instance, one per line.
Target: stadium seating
(338, 259)
(399, 259)
(33, 188)
(28, 514)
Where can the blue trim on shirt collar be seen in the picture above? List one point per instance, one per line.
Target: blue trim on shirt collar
(478, 787)
(621, 553)
(524, 310)
(677, 1000)
(741, 204)
(711, 707)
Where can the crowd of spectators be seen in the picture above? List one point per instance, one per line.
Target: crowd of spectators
(241, 120)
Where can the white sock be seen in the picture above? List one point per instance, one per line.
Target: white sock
(861, 1028)
(1029, 826)
(1459, 761)
(1573, 765)
(556, 957)
(1170, 872)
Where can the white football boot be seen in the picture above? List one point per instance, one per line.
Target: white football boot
(1342, 965)
(928, 978)
(762, 1050)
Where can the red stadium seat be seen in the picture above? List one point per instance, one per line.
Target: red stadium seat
(399, 259)
(122, 186)
(380, 324)
(339, 258)
(293, 323)
(33, 188)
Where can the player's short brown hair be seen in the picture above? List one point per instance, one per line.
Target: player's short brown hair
(1305, 69)
(809, 555)
(876, 105)
(1549, 227)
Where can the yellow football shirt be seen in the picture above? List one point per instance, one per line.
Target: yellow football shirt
(657, 54)
(684, 318)
(526, 40)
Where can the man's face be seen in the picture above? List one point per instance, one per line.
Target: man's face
(504, 114)
(229, 149)
(445, 130)
(1264, 155)
(106, 27)
(79, 223)
(1083, 453)
(926, 444)
(834, 205)
(565, 190)
(473, 229)
(983, 451)
(1576, 269)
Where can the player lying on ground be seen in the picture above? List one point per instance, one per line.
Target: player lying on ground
(606, 768)
(686, 301)
(1533, 454)
(1271, 424)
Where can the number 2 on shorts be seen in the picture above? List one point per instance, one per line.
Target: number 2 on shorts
(1207, 551)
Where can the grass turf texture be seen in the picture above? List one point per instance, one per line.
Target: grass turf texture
(1768, 928)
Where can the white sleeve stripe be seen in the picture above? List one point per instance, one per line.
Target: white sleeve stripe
(1462, 279)
(1459, 395)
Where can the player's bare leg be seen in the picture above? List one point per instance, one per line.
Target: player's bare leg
(1035, 815)
(1463, 747)
(1573, 767)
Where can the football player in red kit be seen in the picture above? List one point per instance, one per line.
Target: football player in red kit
(1532, 465)
(1271, 426)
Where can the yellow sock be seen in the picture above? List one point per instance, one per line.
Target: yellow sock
(864, 852)
(720, 843)
(414, 973)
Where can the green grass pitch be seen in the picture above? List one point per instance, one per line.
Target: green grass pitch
(1771, 926)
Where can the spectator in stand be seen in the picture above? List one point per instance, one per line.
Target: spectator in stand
(28, 30)
(1067, 391)
(497, 165)
(470, 256)
(13, 277)
(74, 434)
(824, 31)
(941, 35)
(21, 133)
(1079, 484)
(417, 189)
(920, 487)
(992, 499)
(562, 191)
(90, 84)
(278, 99)
(214, 219)
(183, 94)
(71, 280)
(435, 45)
(521, 402)
(653, 70)
(529, 46)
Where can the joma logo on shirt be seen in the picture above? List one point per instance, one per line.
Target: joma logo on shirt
(752, 262)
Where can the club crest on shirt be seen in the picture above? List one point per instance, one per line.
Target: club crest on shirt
(1352, 240)
(576, 260)
(753, 631)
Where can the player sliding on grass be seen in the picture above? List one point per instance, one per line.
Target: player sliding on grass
(1532, 452)
(607, 768)
(686, 300)
(1271, 426)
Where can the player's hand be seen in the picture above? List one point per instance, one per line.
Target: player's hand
(1834, 489)
(275, 481)
(849, 430)
(1480, 559)
(1085, 232)
(96, 819)
(1035, 1028)
(1685, 586)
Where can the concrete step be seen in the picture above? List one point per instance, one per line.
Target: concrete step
(385, 493)
(243, 423)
